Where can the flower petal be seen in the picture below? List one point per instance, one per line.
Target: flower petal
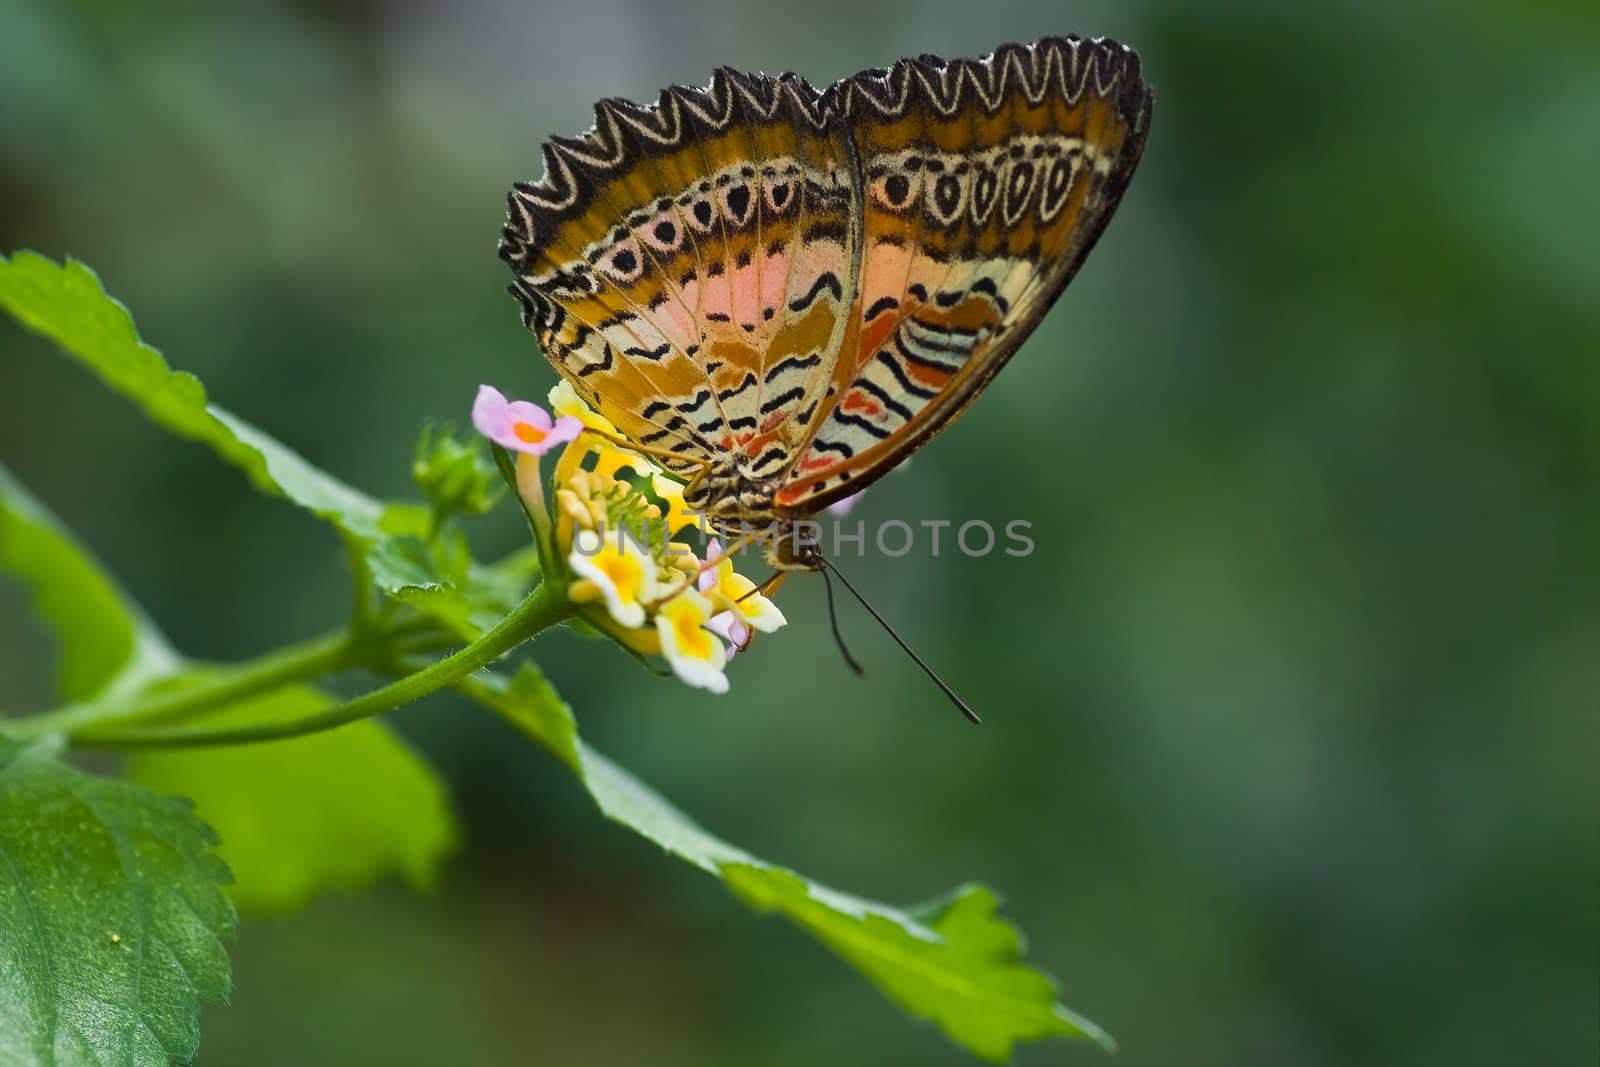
(611, 459)
(518, 425)
(566, 428)
(564, 400)
(679, 515)
(693, 651)
(726, 625)
(618, 569)
(489, 411)
(713, 566)
(731, 591)
(843, 506)
(759, 613)
(522, 411)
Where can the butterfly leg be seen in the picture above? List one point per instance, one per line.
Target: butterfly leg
(650, 450)
(770, 586)
(693, 580)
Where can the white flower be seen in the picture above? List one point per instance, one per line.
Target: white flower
(564, 400)
(679, 515)
(696, 656)
(616, 567)
(733, 592)
(726, 625)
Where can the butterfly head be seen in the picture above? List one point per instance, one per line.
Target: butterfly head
(796, 546)
(741, 509)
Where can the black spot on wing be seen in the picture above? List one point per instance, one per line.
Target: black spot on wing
(882, 395)
(826, 280)
(901, 377)
(932, 363)
(785, 397)
(792, 363)
(654, 355)
(987, 286)
(887, 303)
(733, 391)
(776, 452)
(871, 428)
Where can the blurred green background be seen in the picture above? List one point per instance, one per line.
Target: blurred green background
(1292, 718)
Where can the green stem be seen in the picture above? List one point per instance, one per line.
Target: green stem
(362, 613)
(546, 606)
(293, 663)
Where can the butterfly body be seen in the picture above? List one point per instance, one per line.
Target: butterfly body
(785, 291)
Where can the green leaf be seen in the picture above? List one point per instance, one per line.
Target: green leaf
(114, 918)
(954, 963)
(959, 966)
(67, 304)
(407, 570)
(440, 579)
(331, 811)
(456, 477)
(403, 568)
(531, 704)
(101, 636)
(297, 818)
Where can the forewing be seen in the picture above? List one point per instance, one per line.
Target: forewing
(986, 183)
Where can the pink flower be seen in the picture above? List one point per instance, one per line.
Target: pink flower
(518, 425)
(708, 575)
(743, 606)
(726, 625)
(842, 507)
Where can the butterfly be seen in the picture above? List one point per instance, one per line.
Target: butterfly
(783, 292)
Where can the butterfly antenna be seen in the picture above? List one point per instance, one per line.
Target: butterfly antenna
(833, 620)
(966, 710)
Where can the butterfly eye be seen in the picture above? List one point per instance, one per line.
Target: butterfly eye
(1019, 184)
(946, 203)
(623, 263)
(1057, 184)
(983, 189)
(701, 215)
(663, 232)
(779, 195)
(896, 190)
(736, 204)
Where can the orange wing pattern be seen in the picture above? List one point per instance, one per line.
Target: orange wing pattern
(689, 266)
(794, 290)
(986, 184)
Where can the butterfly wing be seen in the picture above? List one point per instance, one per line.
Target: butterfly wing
(986, 183)
(689, 266)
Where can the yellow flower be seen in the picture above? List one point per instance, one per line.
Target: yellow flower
(582, 500)
(731, 591)
(695, 654)
(679, 516)
(615, 568)
(564, 400)
(679, 567)
(644, 589)
(611, 457)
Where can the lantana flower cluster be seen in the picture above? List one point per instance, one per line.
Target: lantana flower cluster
(612, 538)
